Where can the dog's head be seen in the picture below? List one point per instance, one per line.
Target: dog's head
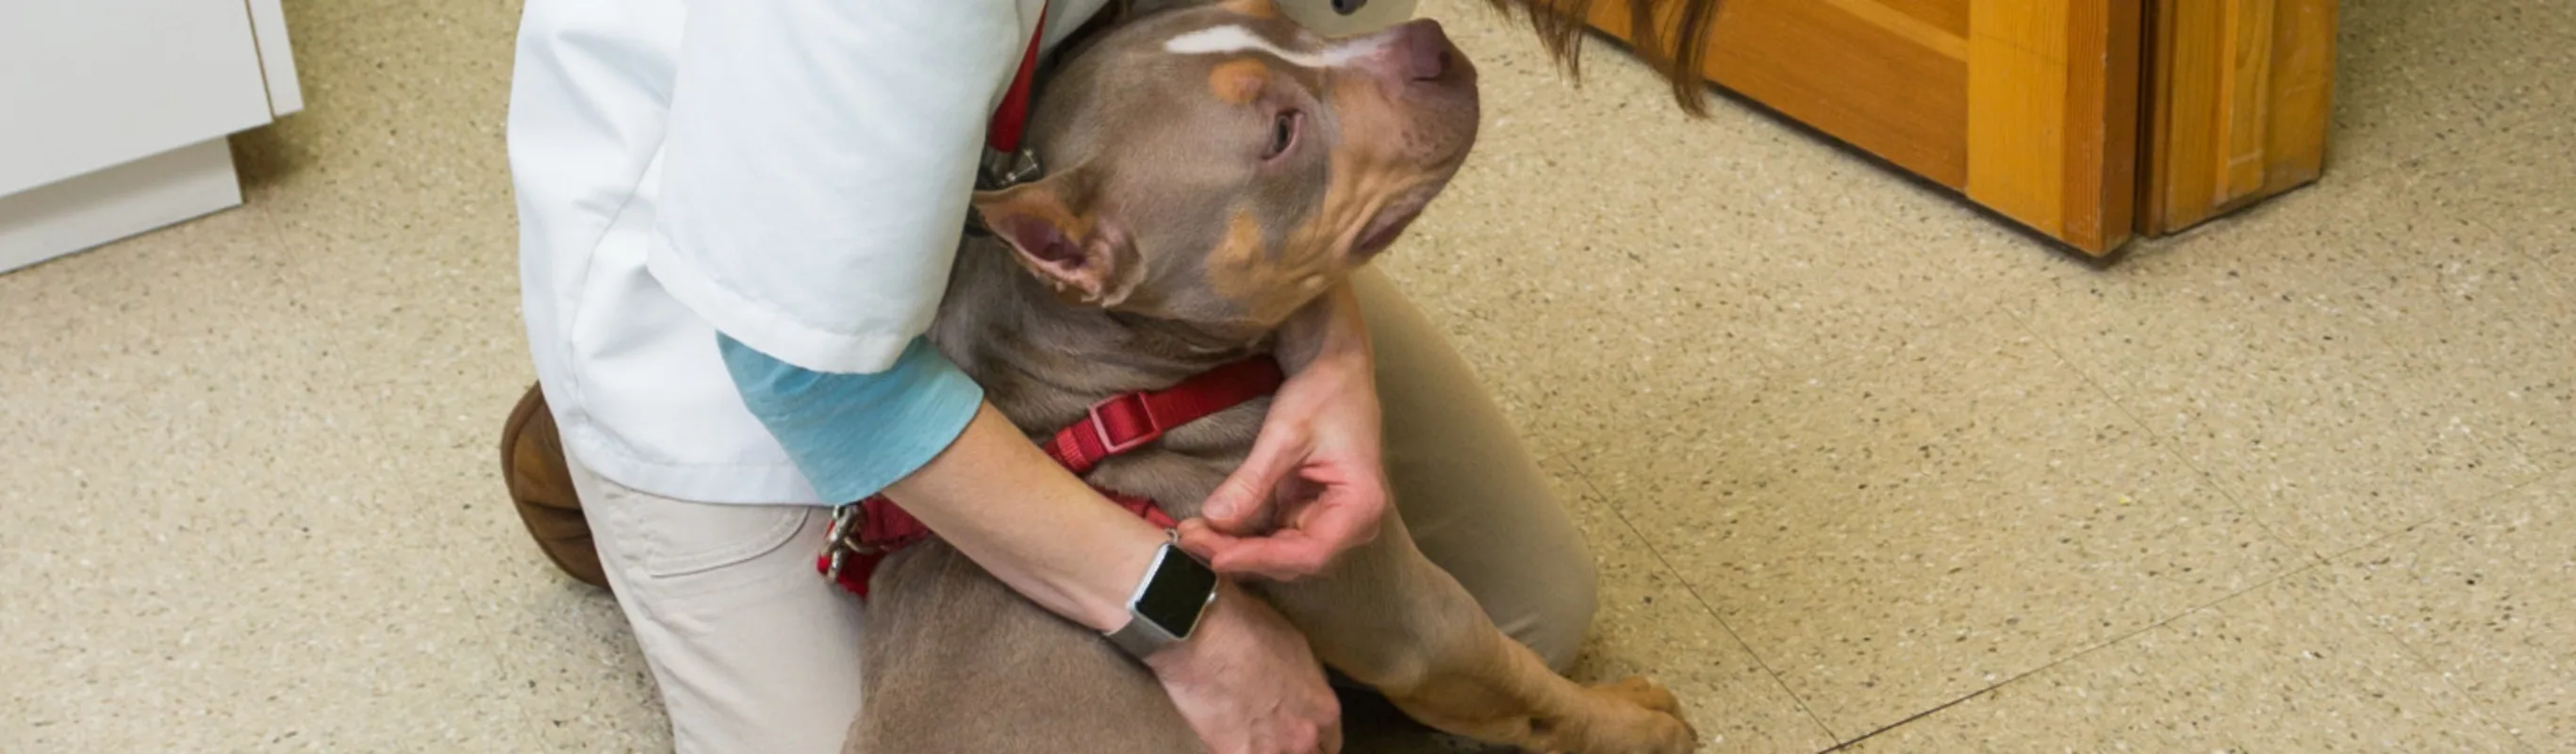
(1220, 165)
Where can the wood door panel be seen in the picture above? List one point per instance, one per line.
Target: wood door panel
(2102, 119)
(2025, 106)
(1879, 88)
(2239, 104)
(2052, 116)
(1947, 15)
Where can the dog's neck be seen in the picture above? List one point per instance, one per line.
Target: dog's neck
(1042, 361)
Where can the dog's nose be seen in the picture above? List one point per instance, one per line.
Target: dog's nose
(1427, 53)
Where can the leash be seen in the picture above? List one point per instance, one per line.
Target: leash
(1005, 162)
(865, 532)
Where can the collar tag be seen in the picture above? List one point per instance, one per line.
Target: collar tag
(1001, 170)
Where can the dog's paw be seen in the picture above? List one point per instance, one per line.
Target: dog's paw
(1643, 693)
(1652, 724)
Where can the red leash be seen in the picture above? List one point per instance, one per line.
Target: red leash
(1003, 134)
(1004, 163)
(864, 533)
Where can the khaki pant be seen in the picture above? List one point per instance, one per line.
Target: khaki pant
(756, 653)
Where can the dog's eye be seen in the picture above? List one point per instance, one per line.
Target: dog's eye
(1283, 134)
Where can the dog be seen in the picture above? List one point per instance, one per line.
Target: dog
(1212, 168)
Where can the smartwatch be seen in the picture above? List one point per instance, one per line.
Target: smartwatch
(1167, 604)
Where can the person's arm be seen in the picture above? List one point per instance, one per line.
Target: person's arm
(921, 431)
(1317, 461)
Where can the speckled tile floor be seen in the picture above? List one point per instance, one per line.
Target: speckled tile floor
(1863, 469)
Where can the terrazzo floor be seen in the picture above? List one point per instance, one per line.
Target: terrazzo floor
(1863, 468)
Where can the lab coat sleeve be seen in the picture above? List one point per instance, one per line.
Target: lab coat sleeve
(818, 163)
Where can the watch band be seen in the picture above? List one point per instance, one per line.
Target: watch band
(1140, 637)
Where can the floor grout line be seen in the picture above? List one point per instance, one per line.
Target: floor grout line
(2078, 654)
(2426, 662)
(1692, 588)
(2171, 446)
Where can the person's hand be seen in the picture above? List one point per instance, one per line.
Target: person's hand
(1248, 683)
(1314, 484)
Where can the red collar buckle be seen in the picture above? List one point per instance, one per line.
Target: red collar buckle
(1124, 422)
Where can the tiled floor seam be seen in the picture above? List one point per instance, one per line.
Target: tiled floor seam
(2529, 256)
(2426, 663)
(2402, 529)
(2170, 446)
(1767, 372)
(2401, 158)
(2537, 261)
(1864, 366)
(2078, 654)
(2420, 659)
(1692, 588)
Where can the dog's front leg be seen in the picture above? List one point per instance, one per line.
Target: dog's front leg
(1387, 617)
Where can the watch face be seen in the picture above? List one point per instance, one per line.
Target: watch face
(1178, 591)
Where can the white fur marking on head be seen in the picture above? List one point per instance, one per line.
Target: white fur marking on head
(1234, 38)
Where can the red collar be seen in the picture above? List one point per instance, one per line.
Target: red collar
(863, 533)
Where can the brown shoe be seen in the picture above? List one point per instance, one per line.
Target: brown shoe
(532, 463)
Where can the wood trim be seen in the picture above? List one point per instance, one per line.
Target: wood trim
(2239, 105)
(2052, 124)
(2102, 117)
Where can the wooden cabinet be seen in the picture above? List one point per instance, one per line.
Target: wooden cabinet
(2090, 121)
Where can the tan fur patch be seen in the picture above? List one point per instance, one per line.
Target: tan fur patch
(1365, 172)
(1239, 81)
(1240, 268)
(1253, 8)
(1268, 283)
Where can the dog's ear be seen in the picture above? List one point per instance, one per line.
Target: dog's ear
(1057, 230)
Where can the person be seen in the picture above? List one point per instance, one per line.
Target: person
(736, 220)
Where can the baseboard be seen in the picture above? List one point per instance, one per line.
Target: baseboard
(83, 212)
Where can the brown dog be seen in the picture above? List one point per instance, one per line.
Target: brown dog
(1213, 169)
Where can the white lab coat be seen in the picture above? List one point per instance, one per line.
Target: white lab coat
(794, 172)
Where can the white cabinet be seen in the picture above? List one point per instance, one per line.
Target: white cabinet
(114, 113)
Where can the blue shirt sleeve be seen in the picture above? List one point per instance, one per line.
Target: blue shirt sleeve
(854, 434)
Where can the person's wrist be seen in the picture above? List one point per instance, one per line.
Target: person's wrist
(1173, 661)
(1132, 562)
(1327, 330)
